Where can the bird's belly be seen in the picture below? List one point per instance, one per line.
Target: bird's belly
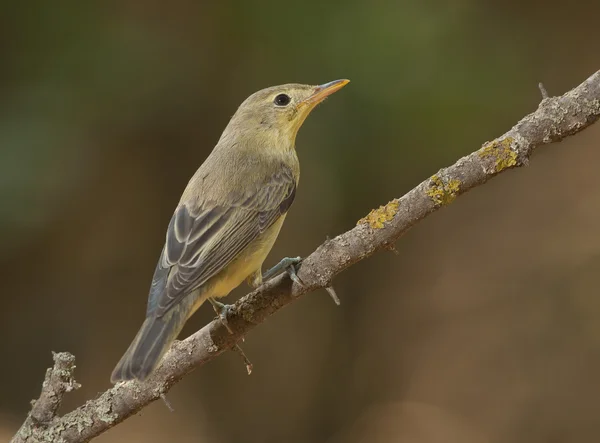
(249, 260)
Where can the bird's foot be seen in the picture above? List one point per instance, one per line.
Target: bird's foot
(222, 310)
(288, 265)
(291, 271)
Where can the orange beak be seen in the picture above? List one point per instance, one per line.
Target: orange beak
(322, 92)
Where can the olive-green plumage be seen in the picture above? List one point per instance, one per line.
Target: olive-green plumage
(227, 219)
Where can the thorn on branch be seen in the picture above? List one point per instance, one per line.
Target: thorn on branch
(167, 403)
(392, 247)
(333, 295)
(543, 91)
(242, 354)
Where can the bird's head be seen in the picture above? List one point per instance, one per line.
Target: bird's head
(279, 111)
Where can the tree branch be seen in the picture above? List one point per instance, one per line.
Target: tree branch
(58, 381)
(555, 119)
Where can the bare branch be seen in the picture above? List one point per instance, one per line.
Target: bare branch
(58, 381)
(555, 119)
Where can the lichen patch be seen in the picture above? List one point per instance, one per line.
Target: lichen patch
(501, 152)
(441, 192)
(377, 218)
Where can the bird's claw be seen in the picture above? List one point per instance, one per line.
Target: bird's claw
(222, 310)
(291, 271)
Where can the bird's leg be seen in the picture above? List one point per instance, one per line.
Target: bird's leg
(287, 264)
(222, 310)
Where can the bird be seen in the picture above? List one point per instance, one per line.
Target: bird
(227, 219)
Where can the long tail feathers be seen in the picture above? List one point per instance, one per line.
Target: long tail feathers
(150, 344)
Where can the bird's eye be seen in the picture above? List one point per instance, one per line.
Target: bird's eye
(282, 100)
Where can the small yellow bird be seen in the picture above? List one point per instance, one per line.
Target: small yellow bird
(227, 219)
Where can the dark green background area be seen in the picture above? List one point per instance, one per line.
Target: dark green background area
(483, 329)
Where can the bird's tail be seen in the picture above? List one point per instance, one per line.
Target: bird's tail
(150, 344)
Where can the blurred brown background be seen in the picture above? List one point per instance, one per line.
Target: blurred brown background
(484, 329)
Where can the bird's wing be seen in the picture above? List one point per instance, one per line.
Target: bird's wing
(202, 242)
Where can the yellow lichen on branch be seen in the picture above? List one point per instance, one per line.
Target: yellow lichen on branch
(377, 217)
(501, 152)
(443, 193)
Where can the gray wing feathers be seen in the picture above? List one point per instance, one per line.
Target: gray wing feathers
(199, 245)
